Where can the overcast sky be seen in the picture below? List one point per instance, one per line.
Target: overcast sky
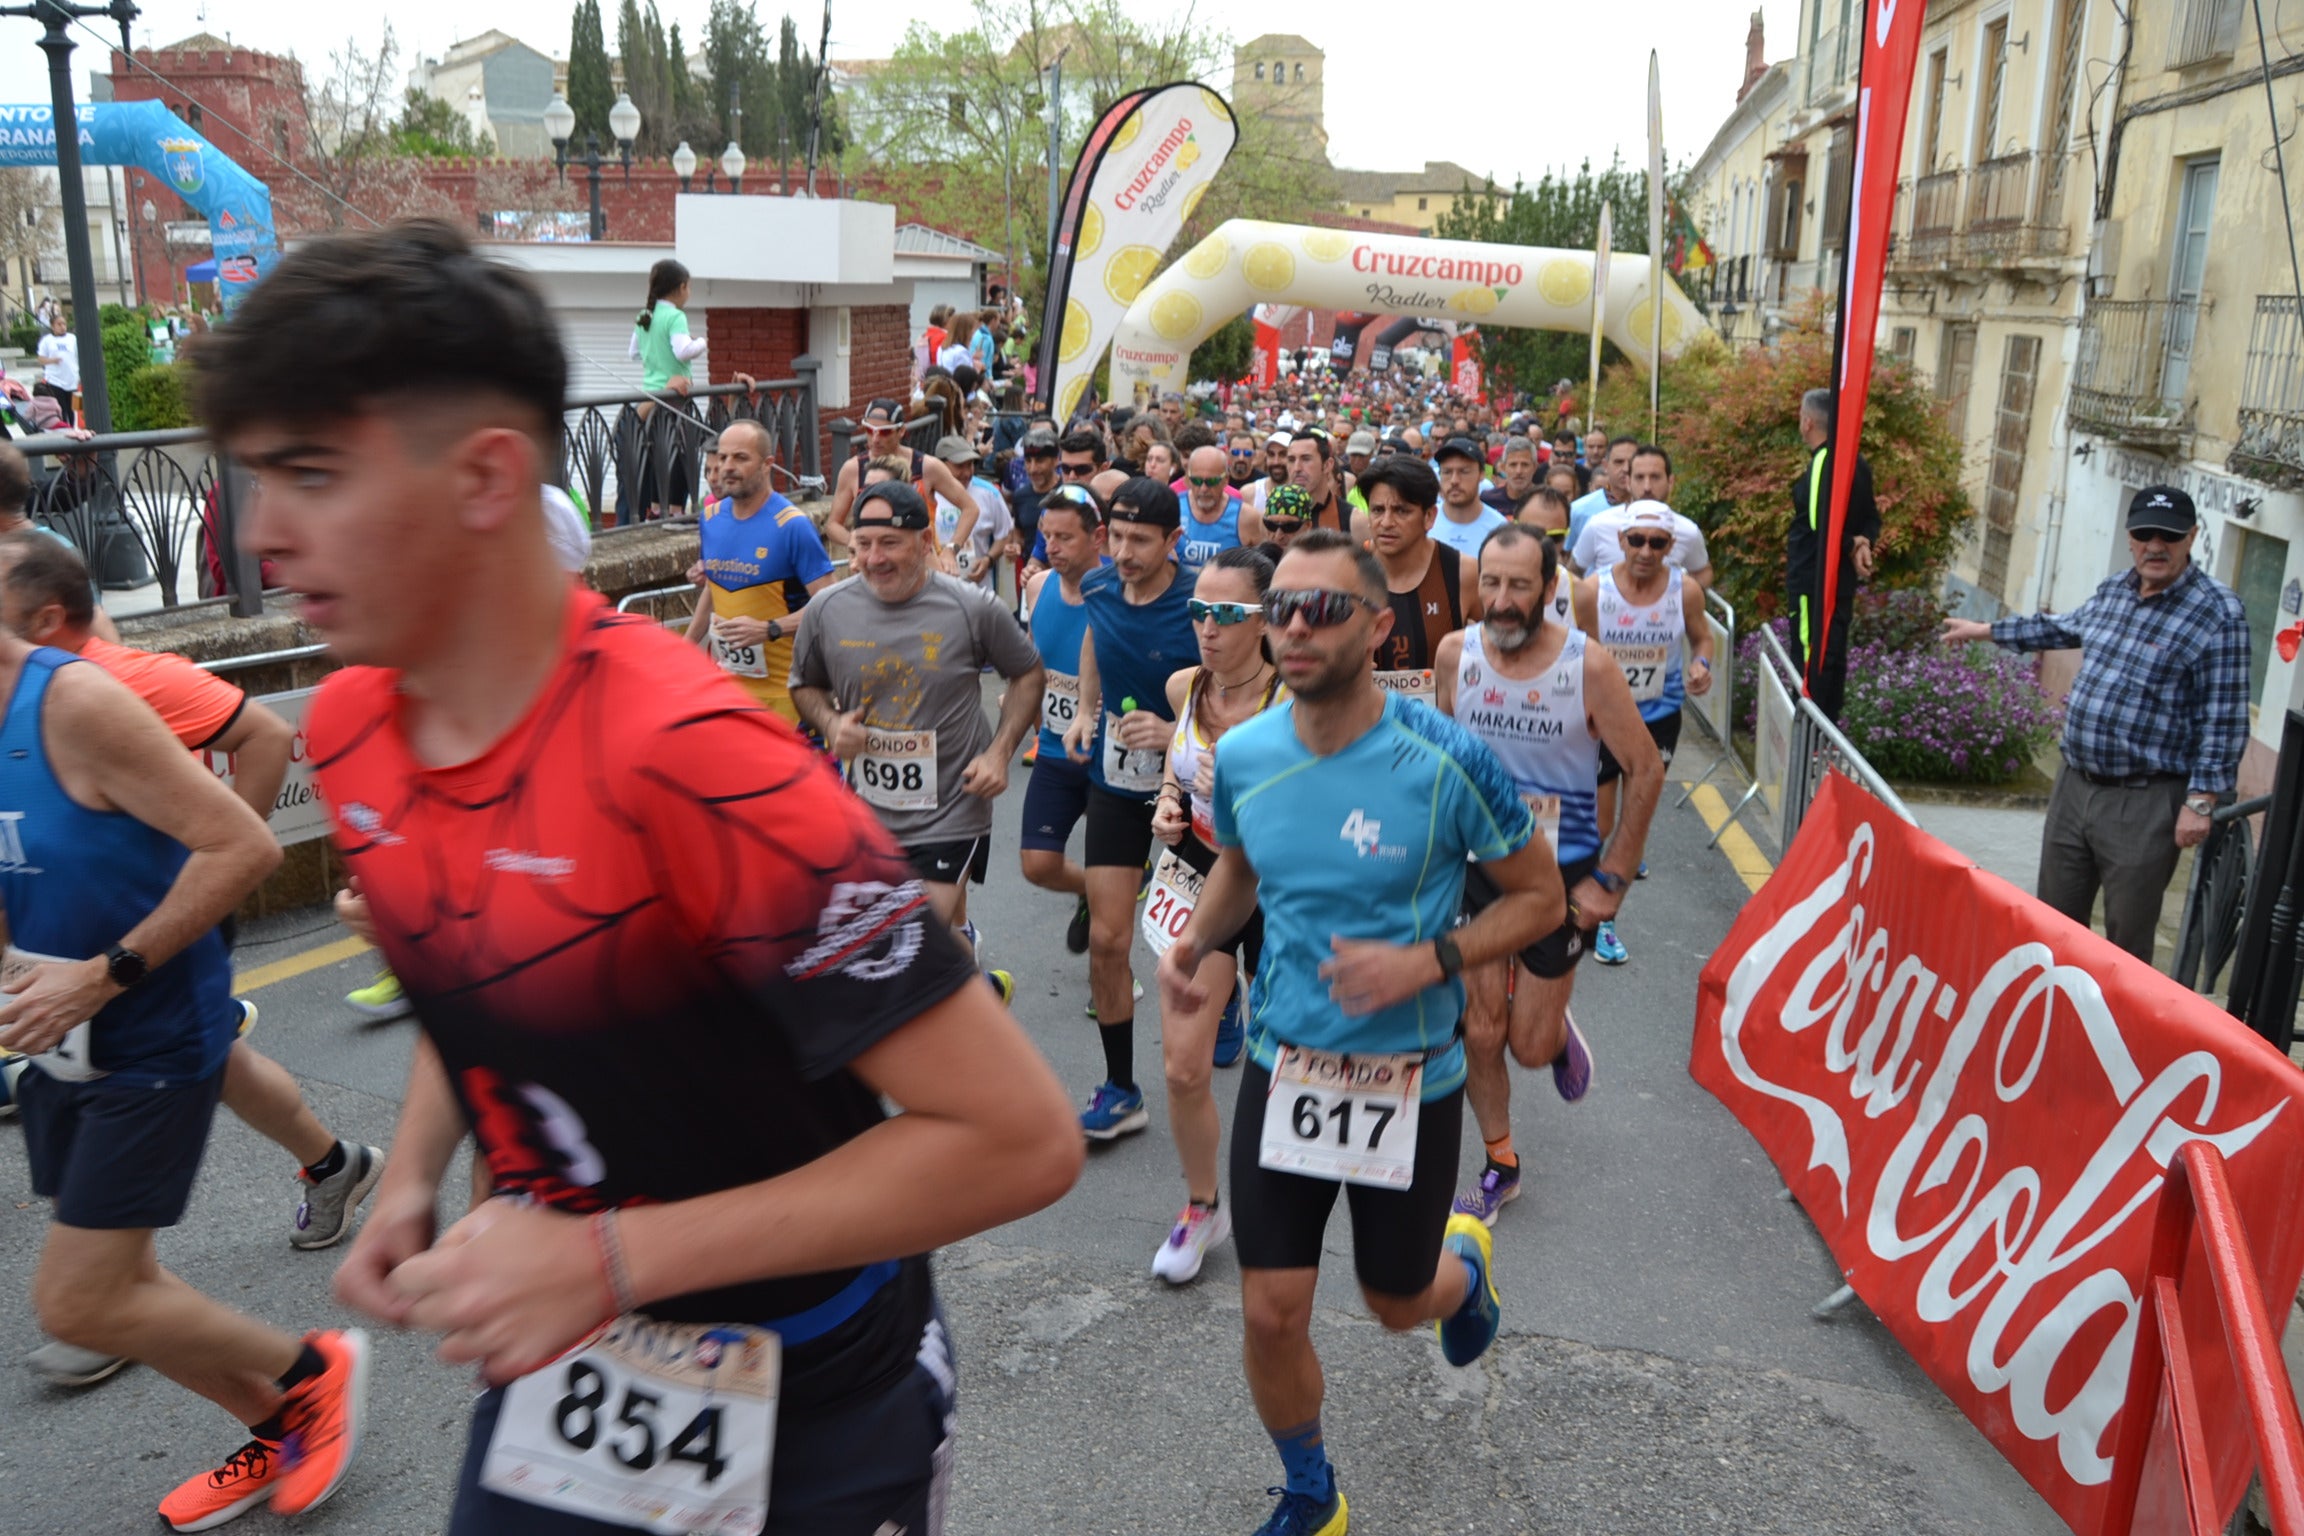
(1507, 90)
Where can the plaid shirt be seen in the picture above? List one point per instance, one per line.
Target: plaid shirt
(2163, 681)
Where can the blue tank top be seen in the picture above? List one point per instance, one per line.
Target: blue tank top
(1138, 648)
(1203, 542)
(1056, 630)
(72, 881)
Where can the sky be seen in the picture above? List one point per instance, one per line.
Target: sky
(1537, 86)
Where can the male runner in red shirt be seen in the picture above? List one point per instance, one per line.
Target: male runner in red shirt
(667, 966)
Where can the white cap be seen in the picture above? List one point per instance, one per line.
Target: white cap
(568, 530)
(1649, 512)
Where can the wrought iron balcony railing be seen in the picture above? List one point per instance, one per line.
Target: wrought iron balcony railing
(2131, 381)
(2271, 440)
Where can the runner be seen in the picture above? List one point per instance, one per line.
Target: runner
(1139, 633)
(1240, 454)
(884, 426)
(666, 967)
(1035, 474)
(1596, 546)
(1284, 517)
(1351, 815)
(1547, 701)
(1214, 519)
(762, 561)
(888, 669)
(1642, 610)
(1311, 465)
(1611, 487)
(1424, 581)
(980, 530)
(122, 857)
(1056, 795)
(1518, 482)
(1227, 608)
(1465, 521)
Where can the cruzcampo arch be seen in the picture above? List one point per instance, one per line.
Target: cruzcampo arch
(237, 206)
(1247, 262)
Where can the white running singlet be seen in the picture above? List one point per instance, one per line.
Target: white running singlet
(1646, 641)
(1539, 729)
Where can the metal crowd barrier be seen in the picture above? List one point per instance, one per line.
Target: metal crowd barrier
(2216, 899)
(1716, 710)
(1794, 746)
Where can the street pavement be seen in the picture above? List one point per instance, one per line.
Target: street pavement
(1658, 1369)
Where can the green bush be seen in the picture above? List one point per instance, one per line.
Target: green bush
(24, 335)
(151, 399)
(127, 347)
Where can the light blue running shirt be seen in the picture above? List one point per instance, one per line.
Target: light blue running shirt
(1369, 843)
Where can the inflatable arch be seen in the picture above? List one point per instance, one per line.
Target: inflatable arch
(1246, 262)
(237, 206)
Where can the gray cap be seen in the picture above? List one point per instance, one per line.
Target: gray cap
(1039, 440)
(1361, 442)
(952, 448)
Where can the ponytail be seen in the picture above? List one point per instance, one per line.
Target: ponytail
(663, 278)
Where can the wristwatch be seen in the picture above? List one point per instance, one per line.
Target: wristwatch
(126, 967)
(2200, 805)
(1611, 883)
(1450, 957)
(775, 631)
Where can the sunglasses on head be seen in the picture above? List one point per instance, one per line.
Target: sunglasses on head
(1320, 607)
(1204, 482)
(1647, 541)
(1225, 614)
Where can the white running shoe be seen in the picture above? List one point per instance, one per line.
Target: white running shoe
(1197, 1230)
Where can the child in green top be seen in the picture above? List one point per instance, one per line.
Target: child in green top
(660, 338)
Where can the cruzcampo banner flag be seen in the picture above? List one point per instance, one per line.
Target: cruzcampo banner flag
(1891, 48)
(1599, 311)
(1146, 165)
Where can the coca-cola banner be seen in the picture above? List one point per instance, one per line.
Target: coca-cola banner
(1976, 1101)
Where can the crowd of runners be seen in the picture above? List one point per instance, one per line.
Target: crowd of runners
(1365, 702)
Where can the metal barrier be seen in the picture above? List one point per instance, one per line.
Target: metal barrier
(2216, 900)
(1794, 746)
(1716, 710)
(688, 590)
(2161, 1473)
(165, 507)
(2268, 962)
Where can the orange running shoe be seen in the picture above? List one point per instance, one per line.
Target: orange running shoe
(324, 1417)
(246, 1480)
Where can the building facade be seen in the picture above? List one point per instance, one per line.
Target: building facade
(1727, 194)
(1283, 78)
(500, 85)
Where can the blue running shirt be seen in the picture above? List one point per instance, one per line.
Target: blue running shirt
(1369, 843)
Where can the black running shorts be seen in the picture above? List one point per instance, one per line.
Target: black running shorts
(114, 1157)
(947, 863)
(1119, 829)
(1554, 955)
(1666, 733)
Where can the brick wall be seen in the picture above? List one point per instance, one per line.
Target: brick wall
(763, 343)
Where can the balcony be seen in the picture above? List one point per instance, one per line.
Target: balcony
(2009, 217)
(2133, 375)
(2271, 443)
(1932, 222)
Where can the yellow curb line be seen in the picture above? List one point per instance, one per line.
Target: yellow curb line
(1744, 855)
(297, 964)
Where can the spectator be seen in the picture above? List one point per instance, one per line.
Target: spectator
(930, 346)
(2153, 729)
(1803, 556)
(959, 346)
(60, 352)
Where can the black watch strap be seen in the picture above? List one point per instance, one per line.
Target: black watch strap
(127, 968)
(1450, 957)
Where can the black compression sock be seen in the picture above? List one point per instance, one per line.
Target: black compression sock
(329, 1166)
(1119, 1037)
(308, 1365)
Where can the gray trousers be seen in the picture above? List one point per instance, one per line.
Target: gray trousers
(2122, 840)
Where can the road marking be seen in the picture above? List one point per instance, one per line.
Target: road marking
(1744, 855)
(298, 964)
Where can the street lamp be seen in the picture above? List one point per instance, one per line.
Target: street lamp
(623, 121)
(146, 216)
(732, 164)
(684, 163)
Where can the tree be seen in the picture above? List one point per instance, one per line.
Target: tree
(430, 128)
(351, 171)
(1225, 354)
(1563, 211)
(646, 55)
(591, 84)
(25, 221)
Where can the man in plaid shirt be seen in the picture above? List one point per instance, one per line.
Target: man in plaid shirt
(2153, 729)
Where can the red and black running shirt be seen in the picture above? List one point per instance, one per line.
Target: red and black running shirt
(648, 930)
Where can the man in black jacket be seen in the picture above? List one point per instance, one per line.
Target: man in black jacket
(1803, 555)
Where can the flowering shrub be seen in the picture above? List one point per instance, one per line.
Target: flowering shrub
(1906, 620)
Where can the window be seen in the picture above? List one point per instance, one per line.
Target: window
(1279, 70)
(1299, 74)
(2187, 272)
(1994, 68)
(1259, 71)
(2259, 570)
(1955, 368)
(1367, 213)
(1788, 234)
(1839, 176)
(2011, 429)
(2202, 30)
(1932, 134)
(1423, 204)
(1903, 342)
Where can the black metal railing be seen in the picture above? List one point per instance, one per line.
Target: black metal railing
(2130, 380)
(145, 507)
(2216, 899)
(1935, 217)
(2271, 443)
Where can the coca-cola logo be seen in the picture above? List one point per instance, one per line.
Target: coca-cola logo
(1974, 1126)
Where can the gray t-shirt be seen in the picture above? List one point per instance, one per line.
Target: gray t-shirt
(911, 667)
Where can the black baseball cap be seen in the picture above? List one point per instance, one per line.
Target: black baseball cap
(1145, 500)
(2162, 509)
(883, 413)
(890, 504)
(1459, 448)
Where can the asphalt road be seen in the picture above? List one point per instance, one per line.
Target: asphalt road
(1658, 1369)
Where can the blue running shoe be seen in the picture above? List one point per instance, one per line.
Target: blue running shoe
(1113, 1112)
(1607, 948)
(1642, 873)
(1302, 1515)
(1572, 1068)
(1230, 1035)
(1499, 1186)
(1465, 1336)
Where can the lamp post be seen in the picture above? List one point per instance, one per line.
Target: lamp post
(684, 164)
(623, 122)
(732, 164)
(146, 216)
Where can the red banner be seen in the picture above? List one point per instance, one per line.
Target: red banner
(1467, 376)
(1976, 1101)
(1891, 49)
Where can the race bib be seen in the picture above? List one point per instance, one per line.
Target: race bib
(1168, 902)
(1060, 704)
(70, 1059)
(1643, 668)
(740, 660)
(1415, 685)
(1124, 769)
(897, 770)
(1349, 1118)
(654, 1426)
(1547, 812)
